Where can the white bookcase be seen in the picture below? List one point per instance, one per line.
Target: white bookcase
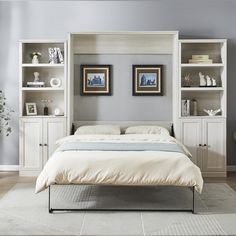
(38, 133)
(207, 97)
(204, 135)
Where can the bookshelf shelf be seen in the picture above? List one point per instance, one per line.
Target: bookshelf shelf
(202, 65)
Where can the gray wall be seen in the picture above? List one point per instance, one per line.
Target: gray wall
(194, 19)
(122, 105)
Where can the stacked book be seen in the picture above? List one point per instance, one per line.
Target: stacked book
(200, 59)
(36, 84)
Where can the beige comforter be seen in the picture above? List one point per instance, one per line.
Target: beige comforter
(120, 167)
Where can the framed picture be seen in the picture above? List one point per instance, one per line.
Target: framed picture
(31, 109)
(95, 79)
(147, 80)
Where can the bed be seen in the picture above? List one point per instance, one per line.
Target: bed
(120, 160)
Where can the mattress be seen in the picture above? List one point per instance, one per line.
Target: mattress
(133, 160)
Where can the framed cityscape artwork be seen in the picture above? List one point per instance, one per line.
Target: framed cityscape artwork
(147, 80)
(96, 80)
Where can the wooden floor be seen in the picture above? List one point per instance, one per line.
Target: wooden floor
(9, 179)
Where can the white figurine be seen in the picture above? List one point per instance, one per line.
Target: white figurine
(213, 82)
(202, 79)
(208, 80)
(35, 59)
(212, 112)
(36, 76)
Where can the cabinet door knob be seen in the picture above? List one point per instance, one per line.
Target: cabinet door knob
(45, 144)
(204, 145)
(199, 145)
(40, 144)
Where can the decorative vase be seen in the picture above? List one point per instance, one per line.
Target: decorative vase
(45, 110)
(194, 103)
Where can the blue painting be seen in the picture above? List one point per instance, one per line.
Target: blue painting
(147, 79)
(95, 80)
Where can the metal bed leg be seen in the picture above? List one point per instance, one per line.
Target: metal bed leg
(193, 208)
(49, 196)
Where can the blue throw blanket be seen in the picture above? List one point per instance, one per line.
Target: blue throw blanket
(106, 146)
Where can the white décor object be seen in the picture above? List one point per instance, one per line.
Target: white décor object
(36, 76)
(57, 112)
(35, 59)
(208, 80)
(212, 112)
(213, 82)
(55, 82)
(202, 79)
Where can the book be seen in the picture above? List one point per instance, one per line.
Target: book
(200, 57)
(60, 56)
(200, 61)
(36, 84)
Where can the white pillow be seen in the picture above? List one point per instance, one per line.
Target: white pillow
(98, 129)
(148, 129)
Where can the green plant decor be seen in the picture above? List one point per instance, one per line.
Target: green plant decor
(5, 115)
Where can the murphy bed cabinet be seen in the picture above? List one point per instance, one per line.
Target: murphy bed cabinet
(204, 135)
(40, 131)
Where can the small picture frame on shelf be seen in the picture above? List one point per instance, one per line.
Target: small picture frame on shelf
(96, 80)
(147, 80)
(31, 109)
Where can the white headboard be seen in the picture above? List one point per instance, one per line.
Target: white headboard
(124, 124)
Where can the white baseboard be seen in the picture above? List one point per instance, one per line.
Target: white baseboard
(9, 167)
(231, 168)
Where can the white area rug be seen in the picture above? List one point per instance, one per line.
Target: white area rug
(24, 213)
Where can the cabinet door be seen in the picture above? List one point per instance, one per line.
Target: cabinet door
(191, 138)
(214, 157)
(54, 129)
(31, 144)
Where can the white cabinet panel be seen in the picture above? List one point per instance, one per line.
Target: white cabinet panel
(191, 137)
(214, 151)
(206, 140)
(54, 129)
(31, 144)
(37, 142)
